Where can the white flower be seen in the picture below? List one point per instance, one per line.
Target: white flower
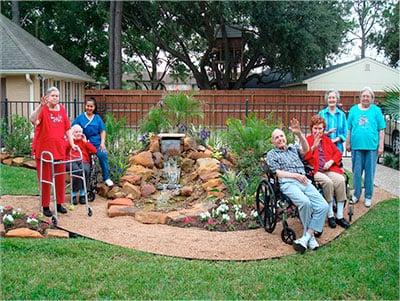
(204, 216)
(237, 207)
(32, 220)
(1, 209)
(8, 218)
(240, 216)
(254, 214)
(222, 208)
(225, 217)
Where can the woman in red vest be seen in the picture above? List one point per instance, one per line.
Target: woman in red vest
(326, 160)
(52, 129)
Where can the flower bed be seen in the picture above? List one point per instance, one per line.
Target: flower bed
(224, 217)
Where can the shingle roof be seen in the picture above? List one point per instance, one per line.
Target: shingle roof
(330, 68)
(231, 32)
(19, 50)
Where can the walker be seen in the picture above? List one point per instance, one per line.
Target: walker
(72, 173)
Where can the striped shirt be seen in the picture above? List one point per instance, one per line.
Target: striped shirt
(286, 160)
(335, 121)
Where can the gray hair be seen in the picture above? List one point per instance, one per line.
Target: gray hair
(51, 89)
(332, 91)
(369, 90)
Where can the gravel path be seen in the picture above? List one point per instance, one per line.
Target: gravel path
(180, 242)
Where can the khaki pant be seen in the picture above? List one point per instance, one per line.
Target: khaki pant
(333, 184)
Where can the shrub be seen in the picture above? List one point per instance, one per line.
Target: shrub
(120, 142)
(155, 122)
(16, 137)
(391, 160)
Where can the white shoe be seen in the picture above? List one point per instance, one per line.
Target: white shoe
(109, 182)
(313, 243)
(368, 203)
(300, 245)
(354, 200)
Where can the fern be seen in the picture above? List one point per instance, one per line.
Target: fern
(391, 104)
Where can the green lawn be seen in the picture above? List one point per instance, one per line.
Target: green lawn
(361, 264)
(18, 181)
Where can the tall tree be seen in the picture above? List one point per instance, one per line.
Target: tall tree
(15, 12)
(289, 36)
(115, 45)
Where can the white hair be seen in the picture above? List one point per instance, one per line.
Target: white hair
(369, 90)
(51, 89)
(76, 127)
(332, 91)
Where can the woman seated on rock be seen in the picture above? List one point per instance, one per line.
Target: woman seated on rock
(326, 160)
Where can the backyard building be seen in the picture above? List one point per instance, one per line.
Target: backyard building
(28, 67)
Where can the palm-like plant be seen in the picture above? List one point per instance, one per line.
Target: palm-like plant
(391, 104)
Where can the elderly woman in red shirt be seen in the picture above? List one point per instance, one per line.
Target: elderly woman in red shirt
(325, 158)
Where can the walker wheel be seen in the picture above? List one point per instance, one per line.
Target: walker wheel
(91, 196)
(288, 236)
(90, 212)
(350, 213)
(54, 220)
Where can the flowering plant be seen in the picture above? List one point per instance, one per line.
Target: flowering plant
(32, 220)
(222, 208)
(225, 218)
(17, 213)
(240, 216)
(254, 214)
(205, 216)
(8, 219)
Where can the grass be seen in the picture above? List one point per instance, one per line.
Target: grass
(361, 264)
(18, 181)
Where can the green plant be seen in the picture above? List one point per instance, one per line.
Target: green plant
(391, 160)
(155, 122)
(17, 135)
(120, 142)
(391, 103)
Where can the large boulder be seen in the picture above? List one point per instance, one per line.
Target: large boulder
(115, 211)
(187, 164)
(189, 143)
(56, 233)
(133, 179)
(120, 202)
(23, 233)
(197, 155)
(186, 191)
(144, 159)
(158, 159)
(131, 190)
(18, 161)
(151, 217)
(30, 164)
(143, 172)
(208, 168)
(115, 193)
(147, 189)
(154, 146)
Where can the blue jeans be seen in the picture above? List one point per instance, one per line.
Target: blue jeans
(311, 205)
(103, 160)
(364, 160)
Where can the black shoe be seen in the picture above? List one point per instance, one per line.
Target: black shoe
(317, 234)
(61, 209)
(74, 200)
(331, 222)
(82, 200)
(47, 212)
(343, 223)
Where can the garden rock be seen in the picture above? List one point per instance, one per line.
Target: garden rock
(227, 163)
(187, 164)
(217, 194)
(23, 233)
(30, 164)
(213, 183)
(131, 190)
(120, 202)
(18, 161)
(102, 189)
(7, 161)
(158, 159)
(4, 156)
(196, 210)
(144, 172)
(144, 159)
(147, 189)
(2, 230)
(197, 155)
(115, 193)
(55, 233)
(152, 217)
(211, 164)
(186, 191)
(207, 175)
(189, 144)
(154, 146)
(115, 211)
(133, 179)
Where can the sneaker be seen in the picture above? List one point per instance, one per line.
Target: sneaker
(109, 182)
(82, 200)
(354, 200)
(74, 201)
(368, 203)
(331, 222)
(313, 244)
(300, 245)
(61, 209)
(343, 223)
(47, 212)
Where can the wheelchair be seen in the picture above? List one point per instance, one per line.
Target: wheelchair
(92, 181)
(273, 206)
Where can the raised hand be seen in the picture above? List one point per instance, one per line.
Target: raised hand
(317, 140)
(295, 126)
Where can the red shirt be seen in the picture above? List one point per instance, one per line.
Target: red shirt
(86, 148)
(51, 133)
(330, 151)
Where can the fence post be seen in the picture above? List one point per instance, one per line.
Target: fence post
(247, 107)
(75, 108)
(4, 110)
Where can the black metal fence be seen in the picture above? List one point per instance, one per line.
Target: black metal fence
(215, 114)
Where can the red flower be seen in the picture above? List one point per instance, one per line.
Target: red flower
(211, 221)
(187, 220)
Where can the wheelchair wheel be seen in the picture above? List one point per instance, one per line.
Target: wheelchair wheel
(89, 211)
(266, 206)
(288, 236)
(350, 212)
(91, 196)
(54, 220)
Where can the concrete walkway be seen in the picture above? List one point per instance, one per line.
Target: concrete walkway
(385, 178)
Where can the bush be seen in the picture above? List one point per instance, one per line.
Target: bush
(155, 122)
(120, 142)
(391, 160)
(16, 137)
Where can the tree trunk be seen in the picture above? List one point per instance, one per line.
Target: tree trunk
(118, 46)
(15, 12)
(111, 47)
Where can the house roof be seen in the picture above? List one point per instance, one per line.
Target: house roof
(231, 32)
(23, 53)
(330, 68)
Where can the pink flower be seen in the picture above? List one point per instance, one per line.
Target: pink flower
(211, 221)
(8, 207)
(187, 220)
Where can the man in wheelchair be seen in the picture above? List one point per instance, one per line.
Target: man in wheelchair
(285, 161)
